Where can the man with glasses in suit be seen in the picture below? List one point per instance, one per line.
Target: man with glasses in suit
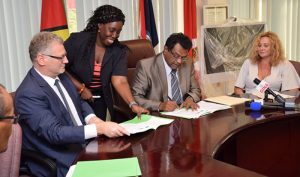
(166, 81)
(55, 120)
(7, 117)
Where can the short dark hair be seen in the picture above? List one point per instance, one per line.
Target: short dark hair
(180, 38)
(104, 14)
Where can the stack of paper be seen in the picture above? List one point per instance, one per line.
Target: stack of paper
(108, 168)
(227, 100)
(146, 122)
(205, 108)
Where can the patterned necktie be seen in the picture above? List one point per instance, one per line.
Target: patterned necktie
(176, 96)
(65, 101)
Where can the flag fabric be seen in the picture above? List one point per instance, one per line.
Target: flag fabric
(190, 24)
(190, 29)
(53, 18)
(147, 20)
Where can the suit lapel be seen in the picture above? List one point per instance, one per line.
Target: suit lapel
(66, 83)
(44, 85)
(182, 78)
(52, 95)
(161, 75)
(107, 56)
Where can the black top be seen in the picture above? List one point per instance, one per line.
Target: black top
(80, 49)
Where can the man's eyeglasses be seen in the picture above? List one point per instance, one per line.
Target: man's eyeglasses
(177, 57)
(55, 57)
(15, 118)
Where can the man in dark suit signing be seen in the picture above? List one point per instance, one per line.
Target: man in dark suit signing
(54, 119)
(163, 82)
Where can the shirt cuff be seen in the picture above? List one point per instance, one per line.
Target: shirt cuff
(90, 131)
(88, 117)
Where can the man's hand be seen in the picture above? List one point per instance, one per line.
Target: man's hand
(111, 129)
(168, 106)
(95, 120)
(189, 103)
(139, 110)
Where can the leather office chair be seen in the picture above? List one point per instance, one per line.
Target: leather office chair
(16, 157)
(296, 64)
(138, 49)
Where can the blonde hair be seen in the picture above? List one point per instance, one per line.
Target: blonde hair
(41, 41)
(277, 53)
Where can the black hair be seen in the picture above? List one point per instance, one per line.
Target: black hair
(180, 38)
(102, 15)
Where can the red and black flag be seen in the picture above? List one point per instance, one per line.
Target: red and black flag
(54, 19)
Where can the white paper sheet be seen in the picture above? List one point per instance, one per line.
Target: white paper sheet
(205, 108)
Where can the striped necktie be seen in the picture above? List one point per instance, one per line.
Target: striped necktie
(176, 96)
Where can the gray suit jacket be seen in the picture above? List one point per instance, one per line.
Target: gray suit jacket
(150, 87)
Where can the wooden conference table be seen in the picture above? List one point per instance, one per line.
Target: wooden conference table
(249, 144)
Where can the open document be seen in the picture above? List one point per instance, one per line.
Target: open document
(146, 122)
(108, 168)
(205, 108)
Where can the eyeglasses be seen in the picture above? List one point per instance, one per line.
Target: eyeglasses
(15, 118)
(55, 57)
(177, 57)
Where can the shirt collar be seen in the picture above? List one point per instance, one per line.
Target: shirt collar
(48, 79)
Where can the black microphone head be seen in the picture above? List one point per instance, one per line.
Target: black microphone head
(256, 81)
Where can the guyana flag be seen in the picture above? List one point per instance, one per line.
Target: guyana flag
(53, 18)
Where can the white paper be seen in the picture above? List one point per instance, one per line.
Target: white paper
(153, 123)
(71, 171)
(205, 108)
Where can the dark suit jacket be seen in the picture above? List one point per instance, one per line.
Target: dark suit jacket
(150, 86)
(80, 49)
(46, 123)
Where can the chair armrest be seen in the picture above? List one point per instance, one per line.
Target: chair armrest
(28, 155)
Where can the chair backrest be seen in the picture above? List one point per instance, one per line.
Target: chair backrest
(296, 64)
(138, 49)
(10, 159)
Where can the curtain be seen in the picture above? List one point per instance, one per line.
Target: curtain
(19, 21)
(283, 17)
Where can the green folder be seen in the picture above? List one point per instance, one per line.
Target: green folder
(108, 168)
(136, 120)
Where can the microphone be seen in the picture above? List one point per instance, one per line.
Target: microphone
(257, 106)
(264, 87)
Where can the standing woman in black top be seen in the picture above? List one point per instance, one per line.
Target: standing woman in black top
(97, 59)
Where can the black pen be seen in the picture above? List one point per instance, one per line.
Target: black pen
(169, 98)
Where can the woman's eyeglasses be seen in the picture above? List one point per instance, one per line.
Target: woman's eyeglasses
(15, 118)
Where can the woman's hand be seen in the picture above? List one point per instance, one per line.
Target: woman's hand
(139, 110)
(86, 94)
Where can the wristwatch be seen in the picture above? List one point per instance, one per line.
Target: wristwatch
(132, 103)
